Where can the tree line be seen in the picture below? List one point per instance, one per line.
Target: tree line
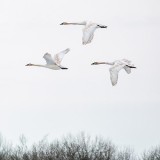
(81, 147)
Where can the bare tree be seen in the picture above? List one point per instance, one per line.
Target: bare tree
(126, 154)
(152, 154)
(81, 147)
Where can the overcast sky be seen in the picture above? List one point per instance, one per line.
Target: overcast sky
(38, 101)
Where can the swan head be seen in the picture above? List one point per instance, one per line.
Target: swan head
(95, 63)
(64, 23)
(29, 64)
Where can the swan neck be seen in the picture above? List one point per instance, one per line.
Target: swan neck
(38, 65)
(105, 63)
(80, 23)
(109, 63)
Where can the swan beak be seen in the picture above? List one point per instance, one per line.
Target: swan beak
(94, 63)
(29, 64)
(63, 23)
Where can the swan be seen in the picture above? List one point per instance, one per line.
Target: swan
(88, 31)
(116, 67)
(52, 63)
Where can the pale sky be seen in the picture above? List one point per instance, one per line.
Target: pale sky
(38, 101)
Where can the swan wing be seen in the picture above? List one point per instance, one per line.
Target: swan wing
(126, 61)
(88, 33)
(114, 73)
(127, 69)
(49, 59)
(59, 56)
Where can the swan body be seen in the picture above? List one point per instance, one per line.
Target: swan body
(116, 67)
(88, 31)
(52, 62)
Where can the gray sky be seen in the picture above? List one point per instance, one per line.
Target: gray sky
(38, 101)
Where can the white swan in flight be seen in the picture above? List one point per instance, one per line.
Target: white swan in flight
(52, 63)
(116, 67)
(88, 31)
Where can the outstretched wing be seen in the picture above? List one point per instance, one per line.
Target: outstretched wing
(49, 59)
(114, 73)
(128, 65)
(126, 61)
(127, 69)
(59, 56)
(88, 33)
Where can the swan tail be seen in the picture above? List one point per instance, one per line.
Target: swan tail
(131, 66)
(64, 68)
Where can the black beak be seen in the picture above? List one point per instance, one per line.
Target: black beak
(63, 23)
(29, 64)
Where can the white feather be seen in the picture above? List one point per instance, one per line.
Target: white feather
(116, 67)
